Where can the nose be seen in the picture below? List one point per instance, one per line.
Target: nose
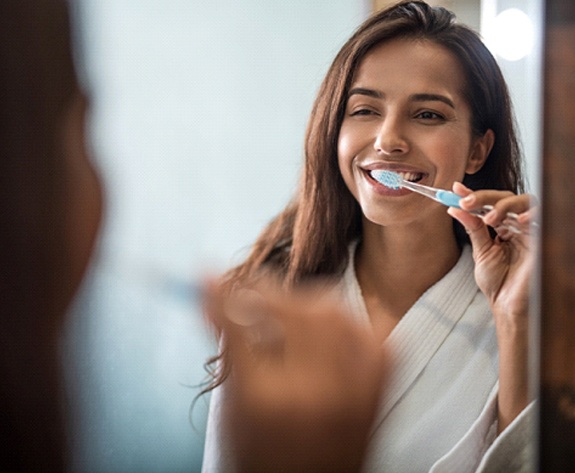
(390, 139)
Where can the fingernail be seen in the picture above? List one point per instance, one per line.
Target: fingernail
(469, 199)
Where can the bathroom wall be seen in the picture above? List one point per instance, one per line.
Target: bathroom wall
(198, 115)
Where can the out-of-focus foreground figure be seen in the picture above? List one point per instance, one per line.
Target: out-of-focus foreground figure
(50, 208)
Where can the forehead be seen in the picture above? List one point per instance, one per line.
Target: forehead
(412, 66)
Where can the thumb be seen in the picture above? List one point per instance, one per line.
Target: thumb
(478, 232)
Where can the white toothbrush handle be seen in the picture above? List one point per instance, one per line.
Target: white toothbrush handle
(512, 224)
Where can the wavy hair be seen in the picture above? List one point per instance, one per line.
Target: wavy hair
(311, 236)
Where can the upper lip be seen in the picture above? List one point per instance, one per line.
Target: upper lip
(402, 168)
(395, 167)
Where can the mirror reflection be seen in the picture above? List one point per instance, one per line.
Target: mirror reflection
(198, 121)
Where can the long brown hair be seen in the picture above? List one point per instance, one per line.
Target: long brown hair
(311, 236)
(37, 82)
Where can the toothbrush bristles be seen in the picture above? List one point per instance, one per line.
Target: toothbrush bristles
(387, 178)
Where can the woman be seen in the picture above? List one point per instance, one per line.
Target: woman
(444, 291)
(49, 215)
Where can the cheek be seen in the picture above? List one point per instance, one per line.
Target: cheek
(85, 197)
(353, 140)
(450, 154)
(349, 146)
(343, 149)
(84, 218)
(345, 155)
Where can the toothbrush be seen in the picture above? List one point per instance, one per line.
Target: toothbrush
(155, 278)
(394, 180)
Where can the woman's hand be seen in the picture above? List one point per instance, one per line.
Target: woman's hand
(305, 379)
(503, 270)
(503, 265)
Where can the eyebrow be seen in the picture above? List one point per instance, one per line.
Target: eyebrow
(415, 97)
(432, 98)
(368, 92)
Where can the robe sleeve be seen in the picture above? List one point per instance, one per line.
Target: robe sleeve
(217, 448)
(481, 450)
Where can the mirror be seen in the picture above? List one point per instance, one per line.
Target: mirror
(198, 117)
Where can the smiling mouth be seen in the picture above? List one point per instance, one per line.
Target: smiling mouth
(406, 175)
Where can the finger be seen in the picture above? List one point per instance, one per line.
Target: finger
(242, 308)
(476, 199)
(260, 322)
(530, 217)
(245, 307)
(478, 232)
(461, 189)
(508, 208)
(513, 216)
(237, 345)
(507, 230)
(505, 206)
(501, 202)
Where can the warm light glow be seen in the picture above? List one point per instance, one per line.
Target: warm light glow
(511, 35)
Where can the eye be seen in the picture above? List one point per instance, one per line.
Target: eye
(428, 115)
(362, 112)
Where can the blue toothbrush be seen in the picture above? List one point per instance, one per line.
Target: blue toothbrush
(394, 180)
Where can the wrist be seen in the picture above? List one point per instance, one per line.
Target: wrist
(514, 392)
(513, 325)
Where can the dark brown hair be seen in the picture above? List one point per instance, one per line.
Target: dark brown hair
(37, 82)
(311, 236)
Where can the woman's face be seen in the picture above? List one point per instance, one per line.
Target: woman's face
(406, 113)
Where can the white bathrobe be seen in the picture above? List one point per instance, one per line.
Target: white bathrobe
(439, 412)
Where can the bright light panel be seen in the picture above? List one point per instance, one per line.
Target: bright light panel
(511, 35)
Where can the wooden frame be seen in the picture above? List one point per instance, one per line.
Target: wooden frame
(557, 415)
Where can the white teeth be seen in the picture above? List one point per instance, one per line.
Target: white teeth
(409, 176)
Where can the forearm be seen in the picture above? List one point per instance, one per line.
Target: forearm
(514, 393)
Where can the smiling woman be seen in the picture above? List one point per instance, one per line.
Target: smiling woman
(444, 291)
(406, 99)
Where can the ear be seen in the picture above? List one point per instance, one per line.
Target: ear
(480, 149)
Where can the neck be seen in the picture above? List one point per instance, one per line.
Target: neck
(396, 265)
